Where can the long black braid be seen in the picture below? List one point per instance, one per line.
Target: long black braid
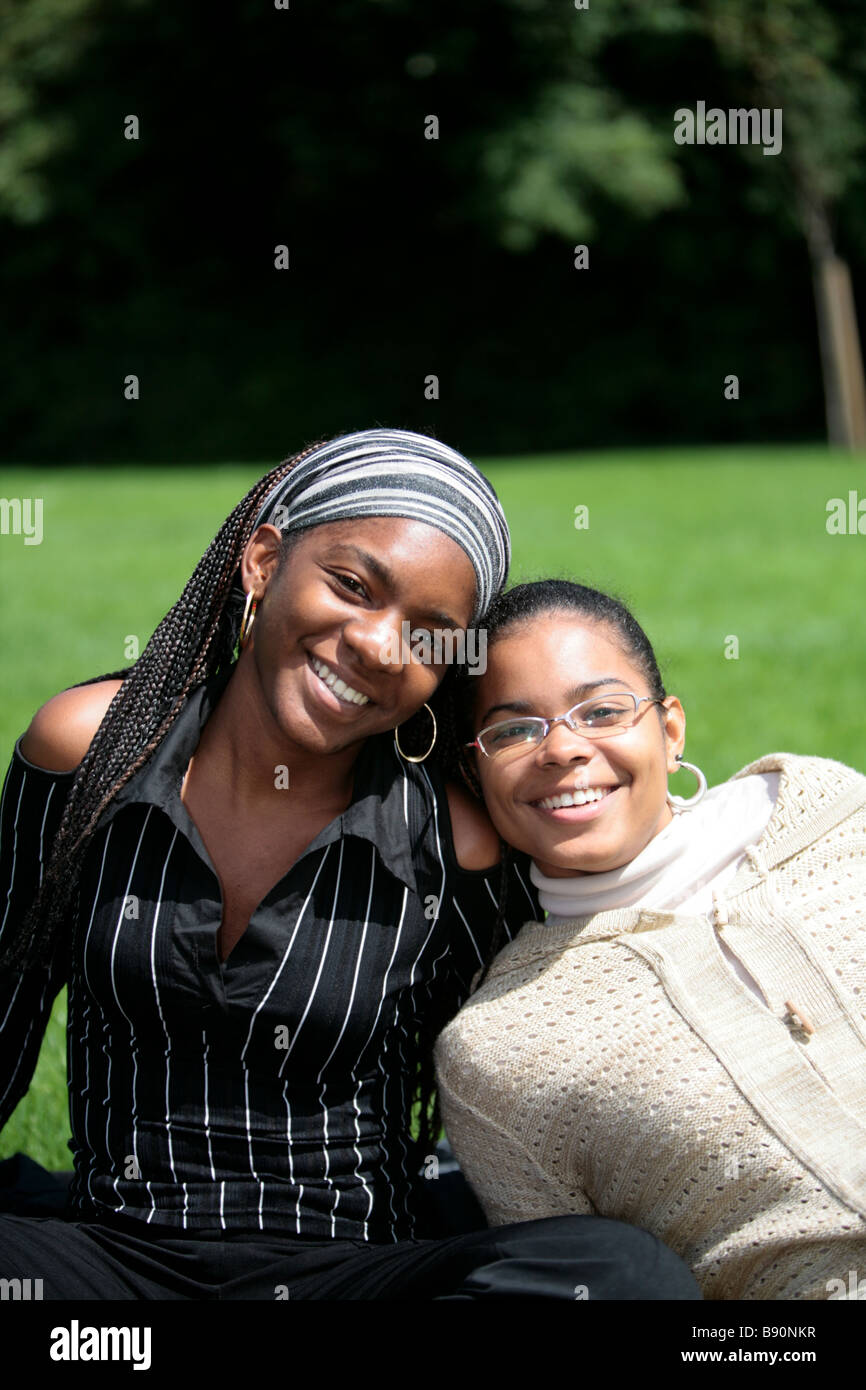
(195, 639)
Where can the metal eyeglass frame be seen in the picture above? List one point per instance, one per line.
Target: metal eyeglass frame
(547, 724)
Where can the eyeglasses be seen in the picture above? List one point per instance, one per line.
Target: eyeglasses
(601, 715)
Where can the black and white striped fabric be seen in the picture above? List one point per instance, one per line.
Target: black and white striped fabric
(271, 1091)
(398, 473)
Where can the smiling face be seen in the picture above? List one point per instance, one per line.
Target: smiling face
(325, 641)
(543, 666)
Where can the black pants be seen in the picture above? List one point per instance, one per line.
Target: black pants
(563, 1257)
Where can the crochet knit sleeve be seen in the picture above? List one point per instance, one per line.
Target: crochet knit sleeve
(508, 1182)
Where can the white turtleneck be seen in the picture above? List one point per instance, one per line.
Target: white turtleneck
(683, 865)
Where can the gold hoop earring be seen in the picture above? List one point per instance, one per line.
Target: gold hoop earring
(407, 756)
(246, 627)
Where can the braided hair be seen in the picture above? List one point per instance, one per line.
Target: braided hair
(196, 639)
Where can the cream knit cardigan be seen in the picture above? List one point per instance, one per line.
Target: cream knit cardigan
(617, 1065)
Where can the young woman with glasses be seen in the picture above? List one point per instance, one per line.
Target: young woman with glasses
(681, 1042)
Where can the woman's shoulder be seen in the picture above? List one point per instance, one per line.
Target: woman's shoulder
(476, 843)
(801, 767)
(62, 730)
(814, 797)
(809, 783)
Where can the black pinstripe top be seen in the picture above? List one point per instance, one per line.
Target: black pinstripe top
(271, 1091)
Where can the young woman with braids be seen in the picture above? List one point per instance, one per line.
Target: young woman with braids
(681, 1043)
(265, 909)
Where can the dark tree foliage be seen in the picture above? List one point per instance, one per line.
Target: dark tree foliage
(409, 257)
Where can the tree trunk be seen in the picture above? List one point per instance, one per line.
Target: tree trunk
(841, 359)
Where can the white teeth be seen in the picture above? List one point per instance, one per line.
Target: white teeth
(339, 687)
(576, 798)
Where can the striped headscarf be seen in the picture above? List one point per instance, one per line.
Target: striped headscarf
(398, 473)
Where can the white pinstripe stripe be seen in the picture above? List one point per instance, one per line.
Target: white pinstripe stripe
(18, 985)
(343, 1029)
(458, 910)
(107, 1050)
(23, 1052)
(379, 1011)
(156, 910)
(14, 847)
(289, 1135)
(279, 972)
(93, 911)
(93, 1157)
(358, 1152)
(435, 965)
(303, 1017)
(119, 922)
(357, 969)
(71, 1012)
(6, 785)
(384, 1147)
(416, 963)
(206, 1110)
(129, 1021)
(401, 1132)
(247, 1123)
(328, 1165)
(267, 995)
(255, 1175)
(312, 994)
(87, 1137)
(42, 829)
(532, 906)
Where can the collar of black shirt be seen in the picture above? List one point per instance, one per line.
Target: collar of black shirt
(377, 812)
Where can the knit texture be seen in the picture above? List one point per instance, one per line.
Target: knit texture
(616, 1064)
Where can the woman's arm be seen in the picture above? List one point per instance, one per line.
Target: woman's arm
(30, 811)
(34, 795)
(509, 1183)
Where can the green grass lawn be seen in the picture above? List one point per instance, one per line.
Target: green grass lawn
(707, 545)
